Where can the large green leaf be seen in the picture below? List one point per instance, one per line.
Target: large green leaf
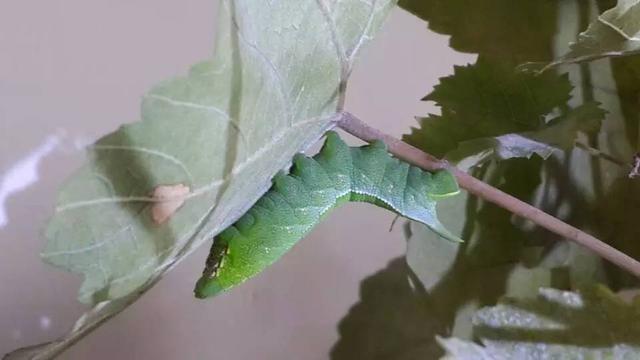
(500, 31)
(593, 324)
(491, 110)
(626, 72)
(615, 33)
(505, 30)
(270, 91)
(207, 146)
(487, 99)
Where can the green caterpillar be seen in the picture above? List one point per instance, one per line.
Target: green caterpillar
(298, 201)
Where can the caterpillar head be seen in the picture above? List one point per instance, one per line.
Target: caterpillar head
(208, 284)
(207, 287)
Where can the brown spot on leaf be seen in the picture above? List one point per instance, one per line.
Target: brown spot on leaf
(169, 199)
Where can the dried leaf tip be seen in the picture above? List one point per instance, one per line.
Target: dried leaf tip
(169, 198)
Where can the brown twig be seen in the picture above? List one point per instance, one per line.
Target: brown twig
(404, 151)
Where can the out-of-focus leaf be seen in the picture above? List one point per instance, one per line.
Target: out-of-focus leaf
(396, 317)
(462, 349)
(617, 222)
(593, 324)
(626, 72)
(207, 146)
(497, 29)
(497, 258)
(559, 133)
(616, 84)
(615, 33)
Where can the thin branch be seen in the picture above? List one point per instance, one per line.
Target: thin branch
(601, 154)
(404, 151)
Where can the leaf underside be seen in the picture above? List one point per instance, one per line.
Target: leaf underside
(270, 91)
(220, 132)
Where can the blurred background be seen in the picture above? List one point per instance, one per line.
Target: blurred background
(73, 70)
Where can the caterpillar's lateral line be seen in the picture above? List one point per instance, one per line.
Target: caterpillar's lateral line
(298, 201)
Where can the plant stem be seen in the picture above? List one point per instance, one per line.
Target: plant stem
(404, 151)
(597, 153)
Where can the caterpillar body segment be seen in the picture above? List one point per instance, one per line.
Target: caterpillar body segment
(315, 185)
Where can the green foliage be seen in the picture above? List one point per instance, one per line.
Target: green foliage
(498, 257)
(626, 72)
(503, 255)
(560, 133)
(593, 324)
(315, 186)
(503, 30)
(615, 33)
(491, 110)
(596, 195)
